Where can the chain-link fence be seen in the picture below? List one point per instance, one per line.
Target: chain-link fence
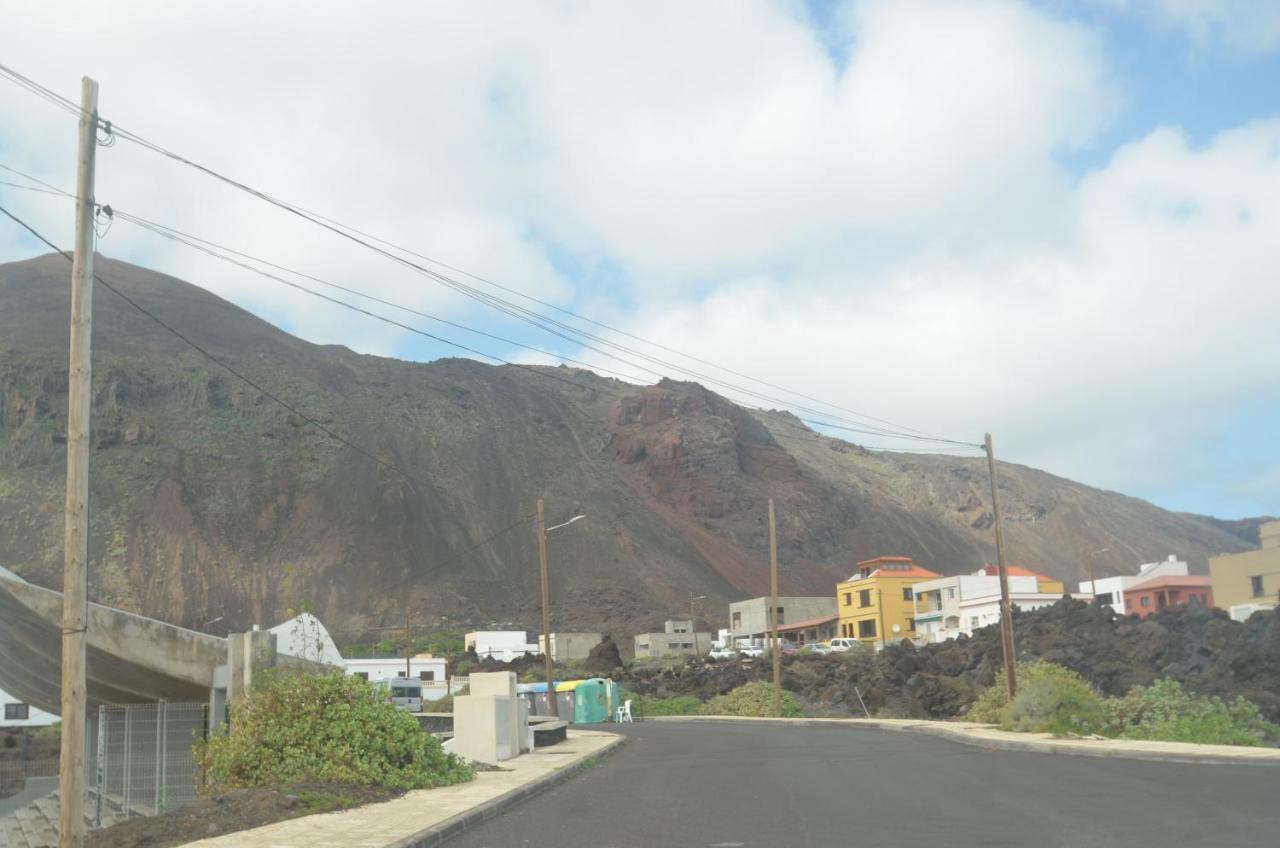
(143, 762)
(25, 753)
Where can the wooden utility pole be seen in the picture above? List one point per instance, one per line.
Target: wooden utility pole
(773, 611)
(75, 575)
(1006, 613)
(552, 708)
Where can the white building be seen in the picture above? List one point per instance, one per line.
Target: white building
(950, 606)
(1110, 590)
(432, 671)
(18, 714)
(502, 645)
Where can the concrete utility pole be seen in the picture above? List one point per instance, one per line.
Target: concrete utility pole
(1006, 614)
(75, 575)
(552, 708)
(773, 611)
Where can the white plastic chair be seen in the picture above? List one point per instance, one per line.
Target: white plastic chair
(624, 712)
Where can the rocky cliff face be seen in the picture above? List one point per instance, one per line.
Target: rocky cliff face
(210, 500)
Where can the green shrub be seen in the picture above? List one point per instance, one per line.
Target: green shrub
(753, 699)
(304, 728)
(680, 705)
(1165, 712)
(1053, 699)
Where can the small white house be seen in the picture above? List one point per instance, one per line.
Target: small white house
(18, 714)
(501, 645)
(432, 671)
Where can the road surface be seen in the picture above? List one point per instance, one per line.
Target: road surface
(743, 785)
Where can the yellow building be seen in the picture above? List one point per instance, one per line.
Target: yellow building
(1244, 583)
(877, 604)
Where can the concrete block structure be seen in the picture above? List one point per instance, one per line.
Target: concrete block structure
(1247, 582)
(749, 620)
(677, 638)
(490, 725)
(568, 647)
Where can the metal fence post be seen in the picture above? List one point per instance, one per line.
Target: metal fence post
(128, 760)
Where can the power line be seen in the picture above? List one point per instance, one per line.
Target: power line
(181, 238)
(520, 313)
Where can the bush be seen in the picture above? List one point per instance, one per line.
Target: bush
(1165, 712)
(680, 705)
(753, 699)
(1050, 699)
(331, 728)
(1054, 700)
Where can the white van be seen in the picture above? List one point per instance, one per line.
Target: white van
(843, 644)
(404, 692)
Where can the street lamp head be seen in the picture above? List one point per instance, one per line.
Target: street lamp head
(566, 523)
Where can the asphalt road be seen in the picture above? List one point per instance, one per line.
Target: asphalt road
(742, 785)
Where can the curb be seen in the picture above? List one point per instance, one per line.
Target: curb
(481, 813)
(1009, 743)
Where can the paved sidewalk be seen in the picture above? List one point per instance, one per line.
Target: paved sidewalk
(427, 816)
(986, 736)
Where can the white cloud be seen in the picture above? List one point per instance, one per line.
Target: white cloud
(897, 234)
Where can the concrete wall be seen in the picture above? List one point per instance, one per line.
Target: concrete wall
(567, 647)
(490, 725)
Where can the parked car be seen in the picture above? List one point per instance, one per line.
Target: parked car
(751, 651)
(723, 653)
(815, 648)
(842, 644)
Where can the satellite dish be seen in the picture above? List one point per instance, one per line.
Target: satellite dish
(897, 628)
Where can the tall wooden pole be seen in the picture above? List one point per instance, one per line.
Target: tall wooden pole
(773, 611)
(75, 577)
(693, 624)
(552, 708)
(1006, 614)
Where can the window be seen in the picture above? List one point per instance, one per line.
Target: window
(1146, 601)
(363, 675)
(1104, 598)
(848, 599)
(426, 675)
(867, 629)
(17, 712)
(906, 594)
(951, 592)
(864, 598)
(782, 617)
(1256, 583)
(737, 621)
(973, 622)
(911, 624)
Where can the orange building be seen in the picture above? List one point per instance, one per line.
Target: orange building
(1158, 593)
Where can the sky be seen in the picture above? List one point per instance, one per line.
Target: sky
(1058, 222)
